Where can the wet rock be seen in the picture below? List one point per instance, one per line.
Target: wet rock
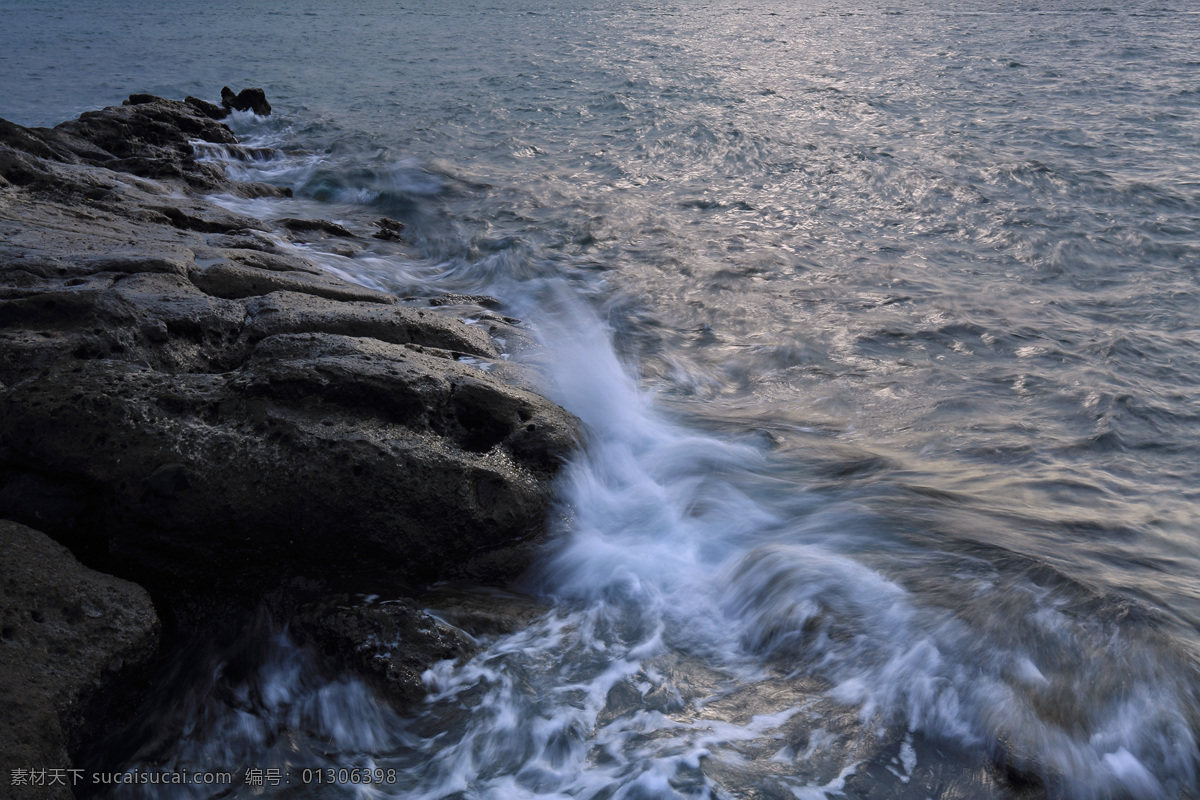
(186, 400)
(483, 611)
(389, 229)
(481, 300)
(210, 110)
(314, 225)
(408, 457)
(290, 312)
(147, 137)
(246, 100)
(74, 645)
(234, 281)
(390, 643)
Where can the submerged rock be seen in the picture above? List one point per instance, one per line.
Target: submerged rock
(74, 647)
(389, 229)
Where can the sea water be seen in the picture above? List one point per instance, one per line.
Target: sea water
(882, 321)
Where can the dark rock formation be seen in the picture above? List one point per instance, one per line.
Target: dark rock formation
(190, 403)
(315, 225)
(389, 229)
(74, 645)
(147, 137)
(246, 100)
(199, 401)
(210, 110)
(483, 610)
(389, 643)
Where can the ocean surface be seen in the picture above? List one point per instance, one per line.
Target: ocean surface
(884, 322)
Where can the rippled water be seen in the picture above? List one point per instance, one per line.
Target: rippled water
(884, 325)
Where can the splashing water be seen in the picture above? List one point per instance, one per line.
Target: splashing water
(881, 324)
(716, 630)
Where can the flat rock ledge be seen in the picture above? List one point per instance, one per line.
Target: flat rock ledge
(187, 403)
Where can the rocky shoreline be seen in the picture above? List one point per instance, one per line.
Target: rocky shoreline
(193, 407)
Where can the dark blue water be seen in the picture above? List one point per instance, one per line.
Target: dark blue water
(884, 321)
